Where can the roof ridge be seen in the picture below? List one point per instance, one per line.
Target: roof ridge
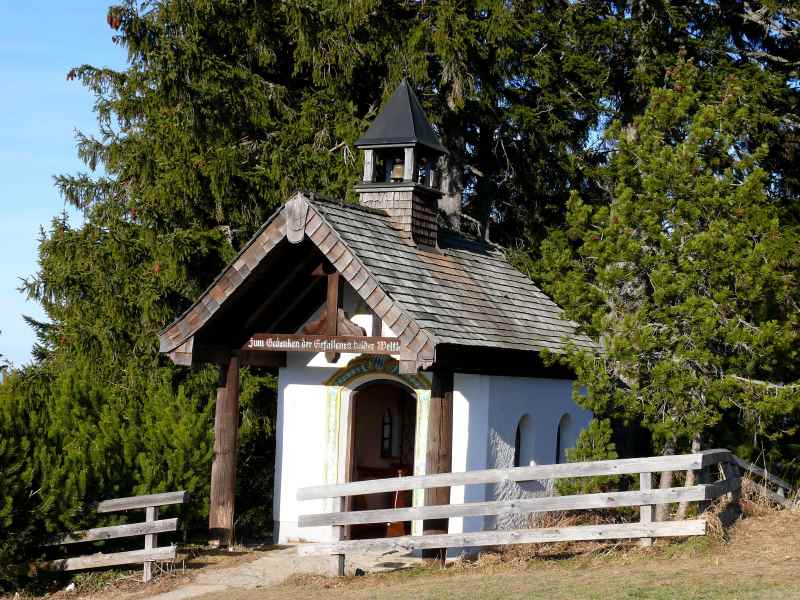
(317, 197)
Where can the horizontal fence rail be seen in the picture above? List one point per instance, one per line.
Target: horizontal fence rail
(150, 529)
(136, 502)
(117, 531)
(515, 536)
(624, 466)
(646, 498)
(95, 561)
(696, 493)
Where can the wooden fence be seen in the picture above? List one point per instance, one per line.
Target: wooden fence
(646, 497)
(150, 529)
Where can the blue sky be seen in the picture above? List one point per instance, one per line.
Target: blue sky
(39, 113)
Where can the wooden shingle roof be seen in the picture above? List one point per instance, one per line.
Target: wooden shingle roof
(465, 295)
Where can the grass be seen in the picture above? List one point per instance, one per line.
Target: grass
(761, 560)
(758, 558)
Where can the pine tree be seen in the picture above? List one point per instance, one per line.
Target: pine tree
(593, 443)
(226, 107)
(688, 273)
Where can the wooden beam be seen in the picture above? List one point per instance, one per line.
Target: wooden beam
(515, 536)
(93, 561)
(439, 454)
(223, 469)
(622, 466)
(116, 531)
(518, 506)
(328, 323)
(134, 502)
(746, 466)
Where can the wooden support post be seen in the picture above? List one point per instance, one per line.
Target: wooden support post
(223, 469)
(646, 511)
(150, 542)
(369, 165)
(439, 457)
(408, 165)
(328, 323)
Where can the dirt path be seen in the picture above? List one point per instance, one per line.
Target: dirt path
(272, 568)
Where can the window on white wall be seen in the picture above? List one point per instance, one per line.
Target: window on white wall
(562, 432)
(523, 442)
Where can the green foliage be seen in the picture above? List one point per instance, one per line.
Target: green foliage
(688, 273)
(256, 456)
(19, 475)
(593, 443)
(226, 107)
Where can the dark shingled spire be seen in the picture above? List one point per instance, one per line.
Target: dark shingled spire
(402, 122)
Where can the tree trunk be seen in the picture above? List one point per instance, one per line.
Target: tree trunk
(664, 482)
(223, 469)
(691, 477)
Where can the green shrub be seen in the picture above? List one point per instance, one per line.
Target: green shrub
(593, 443)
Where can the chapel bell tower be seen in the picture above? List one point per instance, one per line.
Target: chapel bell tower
(402, 167)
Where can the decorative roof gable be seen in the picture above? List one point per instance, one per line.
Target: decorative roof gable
(465, 295)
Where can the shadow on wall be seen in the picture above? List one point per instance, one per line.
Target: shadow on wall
(565, 437)
(519, 452)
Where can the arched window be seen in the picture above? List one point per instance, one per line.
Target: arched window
(523, 442)
(561, 435)
(386, 435)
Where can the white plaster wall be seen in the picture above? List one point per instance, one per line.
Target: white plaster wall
(301, 428)
(470, 443)
(300, 447)
(486, 412)
(544, 401)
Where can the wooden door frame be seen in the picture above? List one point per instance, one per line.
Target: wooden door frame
(348, 434)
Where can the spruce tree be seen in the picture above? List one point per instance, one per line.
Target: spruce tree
(688, 273)
(226, 107)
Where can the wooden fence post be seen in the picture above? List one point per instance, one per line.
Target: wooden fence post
(338, 535)
(150, 542)
(646, 511)
(730, 472)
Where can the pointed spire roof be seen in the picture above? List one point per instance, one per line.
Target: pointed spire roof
(401, 122)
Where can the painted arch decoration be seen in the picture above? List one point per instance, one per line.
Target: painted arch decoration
(339, 389)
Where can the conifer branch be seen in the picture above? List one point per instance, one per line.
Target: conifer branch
(764, 384)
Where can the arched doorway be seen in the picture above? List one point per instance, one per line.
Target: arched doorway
(384, 420)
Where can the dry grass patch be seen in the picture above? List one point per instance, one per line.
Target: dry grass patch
(760, 560)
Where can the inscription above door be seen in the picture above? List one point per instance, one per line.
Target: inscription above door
(276, 342)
